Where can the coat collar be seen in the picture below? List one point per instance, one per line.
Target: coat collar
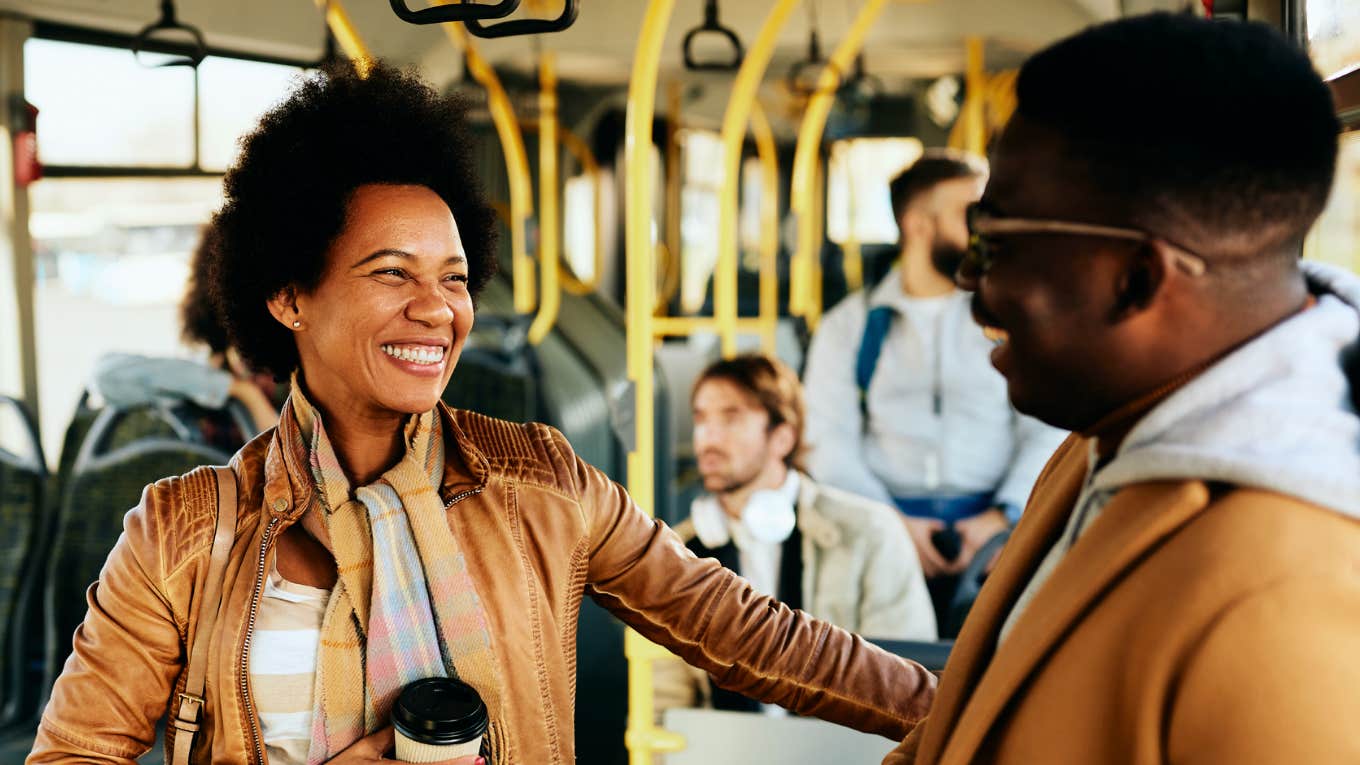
(980, 680)
(814, 526)
(289, 486)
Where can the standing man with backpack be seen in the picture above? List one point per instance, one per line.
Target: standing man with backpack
(903, 405)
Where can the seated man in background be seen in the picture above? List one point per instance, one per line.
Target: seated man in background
(903, 406)
(1185, 584)
(837, 556)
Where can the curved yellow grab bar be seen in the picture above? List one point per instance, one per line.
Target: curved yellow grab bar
(549, 230)
(339, 22)
(669, 248)
(643, 737)
(739, 107)
(975, 132)
(769, 226)
(805, 286)
(516, 163)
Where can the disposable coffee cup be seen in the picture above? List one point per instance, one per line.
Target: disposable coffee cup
(438, 718)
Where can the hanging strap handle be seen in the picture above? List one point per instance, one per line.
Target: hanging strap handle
(189, 717)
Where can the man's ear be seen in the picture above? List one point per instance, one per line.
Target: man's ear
(916, 225)
(1144, 279)
(782, 440)
(283, 306)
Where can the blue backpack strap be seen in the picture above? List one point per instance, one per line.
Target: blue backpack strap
(876, 325)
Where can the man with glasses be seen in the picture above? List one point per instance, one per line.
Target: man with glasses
(1185, 584)
(903, 406)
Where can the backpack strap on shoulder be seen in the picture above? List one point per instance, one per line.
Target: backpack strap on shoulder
(877, 322)
(188, 718)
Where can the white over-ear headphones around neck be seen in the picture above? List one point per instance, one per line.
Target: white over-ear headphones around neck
(767, 517)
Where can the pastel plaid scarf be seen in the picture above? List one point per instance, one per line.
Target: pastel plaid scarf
(404, 607)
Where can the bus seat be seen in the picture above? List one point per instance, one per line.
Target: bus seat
(23, 513)
(106, 480)
(495, 374)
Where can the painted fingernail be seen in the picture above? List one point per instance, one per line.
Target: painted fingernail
(481, 761)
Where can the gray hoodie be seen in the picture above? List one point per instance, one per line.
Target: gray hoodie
(1277, 414)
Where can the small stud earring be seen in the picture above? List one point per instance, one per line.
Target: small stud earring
(296, 324)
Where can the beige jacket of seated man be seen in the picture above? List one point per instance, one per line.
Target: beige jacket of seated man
(837, 556)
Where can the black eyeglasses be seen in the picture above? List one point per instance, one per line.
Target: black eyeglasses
(984, 226)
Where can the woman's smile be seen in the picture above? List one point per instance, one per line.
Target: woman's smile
(418, 358)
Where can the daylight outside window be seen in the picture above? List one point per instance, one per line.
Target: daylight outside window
(857, 200)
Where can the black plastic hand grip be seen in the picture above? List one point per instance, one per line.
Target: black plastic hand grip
(461, 12)
(527, 26)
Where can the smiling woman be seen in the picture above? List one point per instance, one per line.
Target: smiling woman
(382, 537)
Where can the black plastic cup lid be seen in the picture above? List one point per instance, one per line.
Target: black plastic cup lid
(439, 711)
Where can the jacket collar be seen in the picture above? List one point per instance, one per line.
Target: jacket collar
(289, 487)
(814, 526)
(980, 680)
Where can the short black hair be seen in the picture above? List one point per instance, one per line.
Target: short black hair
(1217, 134)
(287, 194)
(934, 167)
(199, 321)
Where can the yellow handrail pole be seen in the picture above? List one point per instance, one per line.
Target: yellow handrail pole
(549, 230)
(516, 163)
(806, 158)
(643, 737)
(813, 312)
(738, 114)
(339, 22)
(975, 130)
(769, 226)
(670, 280)
(852, 257)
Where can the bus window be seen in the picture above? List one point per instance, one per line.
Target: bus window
(699, 212)
(112, 262)
(1333, 35)
(1336, 235)
(748, 221)
(233, 95)
(99, 107)
(578, 224)
(857, 187)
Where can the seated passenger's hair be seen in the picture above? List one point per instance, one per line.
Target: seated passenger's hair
(286, 196)
(773, 385)
(1217, 135)
(934, 167)
(198, 315)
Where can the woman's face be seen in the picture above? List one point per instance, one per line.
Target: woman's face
(381, 332)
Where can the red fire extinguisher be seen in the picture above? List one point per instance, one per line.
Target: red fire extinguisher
(27, 168)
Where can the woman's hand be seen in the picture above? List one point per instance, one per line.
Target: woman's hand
(375, 746)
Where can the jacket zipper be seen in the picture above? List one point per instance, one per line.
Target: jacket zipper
(245, 649)
(250, 624)
(462, 495)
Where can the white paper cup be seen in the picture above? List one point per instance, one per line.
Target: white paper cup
(438, 718)
(415, 751)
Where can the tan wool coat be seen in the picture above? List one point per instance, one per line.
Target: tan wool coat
(1191, 623)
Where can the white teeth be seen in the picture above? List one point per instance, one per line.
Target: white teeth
(415, 354)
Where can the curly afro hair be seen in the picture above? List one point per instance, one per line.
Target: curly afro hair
(288, 193)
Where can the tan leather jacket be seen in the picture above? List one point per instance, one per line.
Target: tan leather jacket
(541, 529)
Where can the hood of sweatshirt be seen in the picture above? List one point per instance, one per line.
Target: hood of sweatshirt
(1278, 413)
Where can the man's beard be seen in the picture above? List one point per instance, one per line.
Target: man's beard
(946, 258)
(728, 481)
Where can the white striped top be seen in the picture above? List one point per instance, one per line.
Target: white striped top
(283, 666)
